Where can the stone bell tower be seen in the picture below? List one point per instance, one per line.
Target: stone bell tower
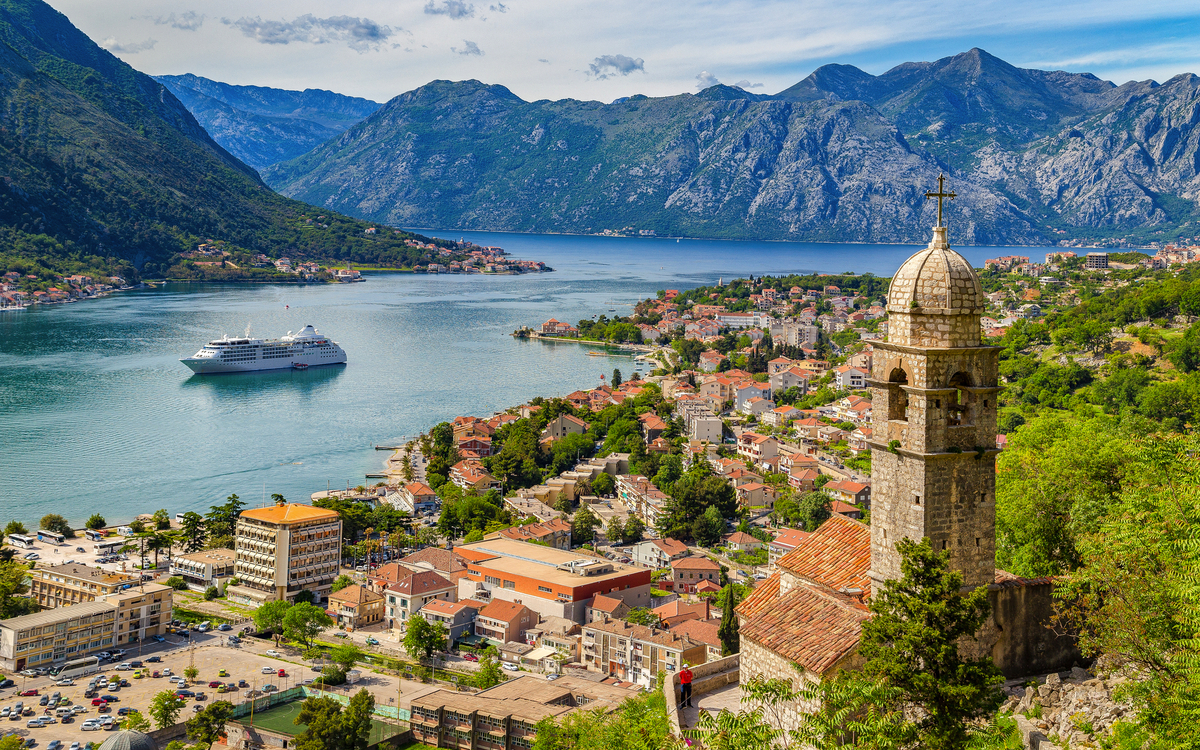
(934, 389)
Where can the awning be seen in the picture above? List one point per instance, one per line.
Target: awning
(471, 639)
(538, 654)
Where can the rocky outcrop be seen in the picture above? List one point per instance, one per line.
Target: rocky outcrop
(1072, 709)
(1035, 156)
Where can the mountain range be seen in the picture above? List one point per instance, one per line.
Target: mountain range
(1034, 156)
(103, 169)
(261, 125)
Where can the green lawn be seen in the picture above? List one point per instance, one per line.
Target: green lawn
(282, 718)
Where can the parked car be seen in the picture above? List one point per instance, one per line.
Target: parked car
(268, 670)
(126, 711)
(243, 684)
(224, 626)
(281, 673)
(27, 693)
(511, 667)
(470, 657)
(91, 725)
(154, 659)
(273, 652)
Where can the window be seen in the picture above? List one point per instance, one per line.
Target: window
(897, 398)
(544, 588)
(492, 580)
(510, 585)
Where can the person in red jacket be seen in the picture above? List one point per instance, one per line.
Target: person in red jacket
(685, 685)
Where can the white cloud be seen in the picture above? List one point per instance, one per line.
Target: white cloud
(187, 21)
(451, 9)
(469, 48)
(1114, 39)
(607, 66)
(360, 34)
(745, 85)
(112, 45)
(705, 80)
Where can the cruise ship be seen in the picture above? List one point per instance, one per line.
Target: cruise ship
(302, 350)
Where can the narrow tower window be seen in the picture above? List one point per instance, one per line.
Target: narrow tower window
(897, 398)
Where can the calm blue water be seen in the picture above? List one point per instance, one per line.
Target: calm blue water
(97, 413)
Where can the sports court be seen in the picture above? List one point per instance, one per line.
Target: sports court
(280, 719)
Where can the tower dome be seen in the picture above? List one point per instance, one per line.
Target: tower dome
(129, 740)
(935, 299)
(936, 279)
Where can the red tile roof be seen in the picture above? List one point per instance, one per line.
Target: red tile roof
(790, 537)
(701, 631)
(670, 546)
(763, 595)
(694, 563)
(837, 555)
(808, 625)
(741, 537)
(606, 603)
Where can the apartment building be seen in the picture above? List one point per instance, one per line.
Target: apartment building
(551, 582)
(505, 717)
(72, 583)
(410, 593)
(642, 498)
(637, 653)
(286, 549)
(210, 567)
(502, 621)
(458, 617)
(60, 634)
(142, 612)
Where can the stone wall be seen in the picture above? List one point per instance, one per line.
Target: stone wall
(706, 678)
(1067, 709)
(1021, 640)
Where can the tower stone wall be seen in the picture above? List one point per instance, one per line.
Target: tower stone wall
(934, 389)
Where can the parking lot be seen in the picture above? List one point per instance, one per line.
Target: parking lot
(210, 654)
(50, 554)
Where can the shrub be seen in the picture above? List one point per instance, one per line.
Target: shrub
(211, 593)
(177, 583)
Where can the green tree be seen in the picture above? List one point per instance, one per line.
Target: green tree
(15, 527)
(342, 582)
(12, 742)
(177, 583)
(191, 671)
(808, 511)
(708, 528)
(208, 726)
(614, 532)
(475, 535)
(165, 708)
(1056, 479)
(911, 643)
(270, 616)
(583, 525)
(304, 622)
(136, 722)
(346, 655)
(423, 638)
(55, 522)
(323, 729)
(639, 723)
(13, 587)
(604, 484)
(222, 520)
(489, 673)
(162, 519)
(356, 720)
(1134, 595)
(95, 522)
(727, 631)
(634, 528)
(643, 616)
(192, 531)
(616, 378)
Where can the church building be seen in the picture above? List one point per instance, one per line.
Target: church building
(934, 388)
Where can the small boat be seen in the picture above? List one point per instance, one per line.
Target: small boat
(299, 366)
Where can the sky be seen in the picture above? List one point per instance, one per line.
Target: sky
(557, 49)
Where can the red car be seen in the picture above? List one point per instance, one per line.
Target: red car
(98, 701)
(28, 692)
(470, 657)
(281, 674)
(214, 684)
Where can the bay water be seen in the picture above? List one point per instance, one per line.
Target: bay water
(97, 414)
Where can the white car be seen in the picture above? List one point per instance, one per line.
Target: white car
(511, 667)
(124, 667)
(267, 670)
(65, 682)
(91, 725)
(273, 652)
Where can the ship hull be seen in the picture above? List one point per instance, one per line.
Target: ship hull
(211, 367)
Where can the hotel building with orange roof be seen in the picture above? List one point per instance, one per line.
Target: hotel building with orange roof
(283, 550)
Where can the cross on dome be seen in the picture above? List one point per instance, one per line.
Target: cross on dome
(940, 194)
